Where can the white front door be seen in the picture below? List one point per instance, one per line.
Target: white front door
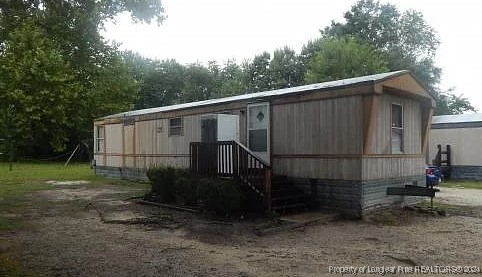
(258, 130)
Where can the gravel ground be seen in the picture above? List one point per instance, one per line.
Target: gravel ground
(84, 231)
(460, 196)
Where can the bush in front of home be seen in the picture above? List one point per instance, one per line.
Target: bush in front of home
(186, 188)
(163, 183)
(174, 185)
(220, 195)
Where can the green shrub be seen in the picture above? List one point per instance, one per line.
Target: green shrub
(172, 185)
(163, 183)
(220, 196)
(186, 190)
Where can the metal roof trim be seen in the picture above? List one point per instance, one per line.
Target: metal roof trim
(264, 94)
(458, 118)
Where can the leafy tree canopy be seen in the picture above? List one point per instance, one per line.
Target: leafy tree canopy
(407, 40)
(343, 58)
(67, 33)
(36, 86)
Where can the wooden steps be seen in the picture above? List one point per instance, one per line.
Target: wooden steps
(286, 197)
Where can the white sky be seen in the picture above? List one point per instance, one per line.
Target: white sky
(203, 30)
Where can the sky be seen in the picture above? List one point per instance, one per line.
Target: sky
(204, 30)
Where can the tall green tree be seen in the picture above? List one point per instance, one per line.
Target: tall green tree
(232, 77)
(199, 83)
(407, 40)
(36, 84)
(97, 67)
(257, 74)
(162, 86)
(450, 103)
(343, 58)
(286, 69)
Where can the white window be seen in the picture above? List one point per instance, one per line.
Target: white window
(99, 143)
(397, 129)
(176, 126)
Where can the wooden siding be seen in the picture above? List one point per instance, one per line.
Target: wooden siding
(466, 145)
(129, 146)
(392, 167)
(407, 84)
(318, 168)
(412, 129)
(330, 129)
(113, 144)
(146, 143)
(155, 146)
(332, 126)
(335, 134)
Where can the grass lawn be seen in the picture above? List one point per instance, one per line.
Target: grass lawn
(29, 177)
(25, 178)
(462, 183)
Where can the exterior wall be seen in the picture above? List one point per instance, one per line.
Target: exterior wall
(380, 164)
(137, 174)
(319, 139)
(155, 146)
(113, 144)
(466, 145)
(468, 172)
(356, 198)
(145, 143)
(412, 133)
(375, 192)
(392, 167)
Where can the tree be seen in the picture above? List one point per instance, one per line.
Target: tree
(257, 75)
(36, 84)
(407, 39)
(343, 58)
(232, 77)
(200, 83)
(285, 69)
(450, 103)
(96, 66)
(162, 86)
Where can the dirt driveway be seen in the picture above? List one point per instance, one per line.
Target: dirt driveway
(79, 230)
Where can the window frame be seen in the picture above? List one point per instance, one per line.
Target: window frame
(401, 129)
(99, 139)
(176, 130)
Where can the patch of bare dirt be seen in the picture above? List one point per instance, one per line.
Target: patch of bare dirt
(460, 196)
(102, 234)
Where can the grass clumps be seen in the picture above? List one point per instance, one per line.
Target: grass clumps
(469, 184)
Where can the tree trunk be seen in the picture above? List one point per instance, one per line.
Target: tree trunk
(11, 154)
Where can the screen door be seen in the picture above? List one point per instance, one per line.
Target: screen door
(258, 130)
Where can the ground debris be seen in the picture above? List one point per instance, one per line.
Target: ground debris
(162, 221)
(407, 261)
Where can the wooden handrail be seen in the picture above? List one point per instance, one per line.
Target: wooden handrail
(252, 153)
(232, 159)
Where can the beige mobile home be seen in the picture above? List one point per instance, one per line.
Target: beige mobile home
(342, 142)
(463, 133)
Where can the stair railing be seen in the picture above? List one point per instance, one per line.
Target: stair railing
(232, 159)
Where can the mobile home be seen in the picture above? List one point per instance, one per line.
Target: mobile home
(343, 142)
(462, 134)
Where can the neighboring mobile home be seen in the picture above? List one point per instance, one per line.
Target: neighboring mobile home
(344, 142)
(463, 133)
